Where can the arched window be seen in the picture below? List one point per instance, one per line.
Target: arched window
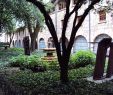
(16, 43)
(97, 40)
(80, 43)
(13, 43)
(19, 43)
(41, 43)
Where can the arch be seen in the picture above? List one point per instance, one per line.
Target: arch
(19, 43)
(97, 40)
(80, 43)
(16, 43)
(41, 43)
(13, 43)
(51, 43)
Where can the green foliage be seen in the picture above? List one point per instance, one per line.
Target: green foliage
(6, 55)
(48, 83)
(29, 61)
(6, 18)
(31, 80)
(13, 11)
(81, 72)
(81, 59)
(33, 61)
(52, 65)
(18, 61)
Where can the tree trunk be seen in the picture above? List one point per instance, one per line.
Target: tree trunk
(33, 43)
(64, 69)
(36, 45)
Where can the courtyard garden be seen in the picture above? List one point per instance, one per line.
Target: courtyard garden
(30, 75)
(24, 71)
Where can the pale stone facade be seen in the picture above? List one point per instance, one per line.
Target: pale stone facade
(91, 31)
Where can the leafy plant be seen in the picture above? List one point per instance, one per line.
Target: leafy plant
(81, 59)
(18, 61)
(47, 83)
(52, 65)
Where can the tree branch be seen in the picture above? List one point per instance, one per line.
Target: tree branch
(77, 6)
(66, 18)
(75, 29)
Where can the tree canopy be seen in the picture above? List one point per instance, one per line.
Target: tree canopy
(13, 11)
(6, 18)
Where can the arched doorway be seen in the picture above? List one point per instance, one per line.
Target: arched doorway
(51, 43)
(41, 43)
(80, 43)
(97, 40)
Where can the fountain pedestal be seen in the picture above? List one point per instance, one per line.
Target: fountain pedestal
(49, 54)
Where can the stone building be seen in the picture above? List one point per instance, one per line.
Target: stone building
(97, 25)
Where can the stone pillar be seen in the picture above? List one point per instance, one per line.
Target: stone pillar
(100, 58)
(26, 45)
(110, 62)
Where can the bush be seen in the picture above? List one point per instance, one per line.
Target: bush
(47, 83)
(32, 62)
(5, 55)
(35, 64)
(81, 72)
(81, 59)
(18, 61)
(15, 51)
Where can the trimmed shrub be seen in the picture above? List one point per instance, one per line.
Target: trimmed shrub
(32, 62)
(81, 59)
(18, 61)
(35, 64)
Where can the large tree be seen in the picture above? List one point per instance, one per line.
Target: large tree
(63, 58)
(22, 12)
(6, 18)
(29, 16)
(7, 22)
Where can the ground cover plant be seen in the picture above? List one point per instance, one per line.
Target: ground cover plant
(47, 83)
(15, 81)
(5, 55)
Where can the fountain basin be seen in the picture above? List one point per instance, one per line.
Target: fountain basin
(49, 54)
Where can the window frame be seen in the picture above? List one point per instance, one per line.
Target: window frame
(102, 15)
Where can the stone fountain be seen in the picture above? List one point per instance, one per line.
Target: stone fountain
(50, 54)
